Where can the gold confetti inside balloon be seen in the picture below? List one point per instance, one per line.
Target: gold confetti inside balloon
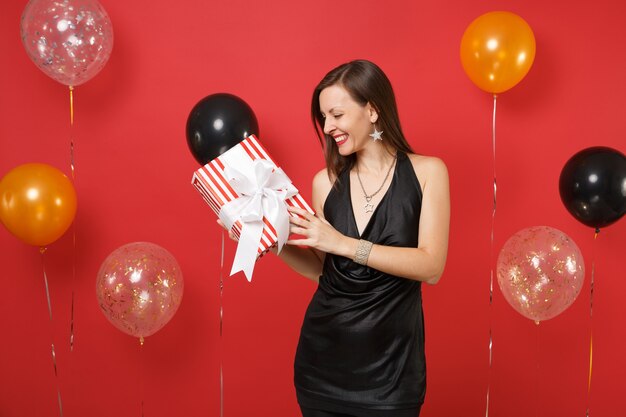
(139, 288)
(540, 272)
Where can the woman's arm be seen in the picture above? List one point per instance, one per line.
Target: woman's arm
(302, 260)
(424, 263)
(308, 261)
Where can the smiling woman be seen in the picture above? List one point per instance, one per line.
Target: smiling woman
(133, 169)
(376, 237)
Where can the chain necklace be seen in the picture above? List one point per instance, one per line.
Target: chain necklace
(368, 206)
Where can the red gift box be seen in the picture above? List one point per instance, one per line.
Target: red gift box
(217, 188)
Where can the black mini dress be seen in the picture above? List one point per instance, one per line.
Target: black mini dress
(361, 344)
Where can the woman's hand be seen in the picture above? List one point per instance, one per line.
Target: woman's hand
(231, 235)
(317, 232)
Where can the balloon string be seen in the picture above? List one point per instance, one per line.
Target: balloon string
(72, 284)
(493, 219)
(71, 126)
(489, 376)
(54, 361)
(42, 250)
(71, 105)
(495, 188)
(141, 390)
(74, 224)
(221, 327)
(60, 402)
(593, 273)
(45, 280)
(537, 373)
(72, 314)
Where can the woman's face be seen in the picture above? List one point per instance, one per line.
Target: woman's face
(345, 120)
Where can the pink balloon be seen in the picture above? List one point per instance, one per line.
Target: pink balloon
(540, 272)
(139, 288)
(69, 40)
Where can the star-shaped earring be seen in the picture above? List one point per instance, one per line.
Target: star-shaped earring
(376, 135)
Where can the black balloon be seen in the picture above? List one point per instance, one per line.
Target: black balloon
(593, 186)
(217, 123)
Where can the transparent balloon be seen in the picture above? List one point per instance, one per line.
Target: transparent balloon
(540, 272)
(69, 40)
(139, 288)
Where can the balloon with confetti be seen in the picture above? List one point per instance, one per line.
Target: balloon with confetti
(540, 272)
(139, 288)
(69, 40)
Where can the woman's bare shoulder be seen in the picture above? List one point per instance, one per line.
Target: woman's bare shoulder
(322, 184)
(428, 168)
(323, 179)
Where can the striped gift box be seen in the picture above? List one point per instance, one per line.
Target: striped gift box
(216, 191)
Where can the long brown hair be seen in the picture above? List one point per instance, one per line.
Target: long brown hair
(366, 83)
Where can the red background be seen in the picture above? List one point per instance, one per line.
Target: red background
(133, 173)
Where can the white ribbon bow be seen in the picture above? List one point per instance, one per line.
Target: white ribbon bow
(263, 190)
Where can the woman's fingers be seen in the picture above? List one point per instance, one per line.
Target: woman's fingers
(298, 221)
(231, 235)
(299, 242)
(301, 212)
(298, 230)
(303, 224)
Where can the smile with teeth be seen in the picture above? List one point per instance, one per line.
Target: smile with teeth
(341, 139)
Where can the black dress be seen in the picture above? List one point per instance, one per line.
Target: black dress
(362, 341)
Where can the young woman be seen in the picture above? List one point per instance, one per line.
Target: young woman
(381, 230)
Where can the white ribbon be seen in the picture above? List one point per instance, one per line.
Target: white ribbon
(262, 192)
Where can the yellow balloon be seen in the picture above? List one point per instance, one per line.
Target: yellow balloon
(37, 203)
(497, 51)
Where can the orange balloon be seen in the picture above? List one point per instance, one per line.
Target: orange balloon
(37, 203)
(497, 51)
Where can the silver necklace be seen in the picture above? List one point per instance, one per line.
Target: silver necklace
(368, 206)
